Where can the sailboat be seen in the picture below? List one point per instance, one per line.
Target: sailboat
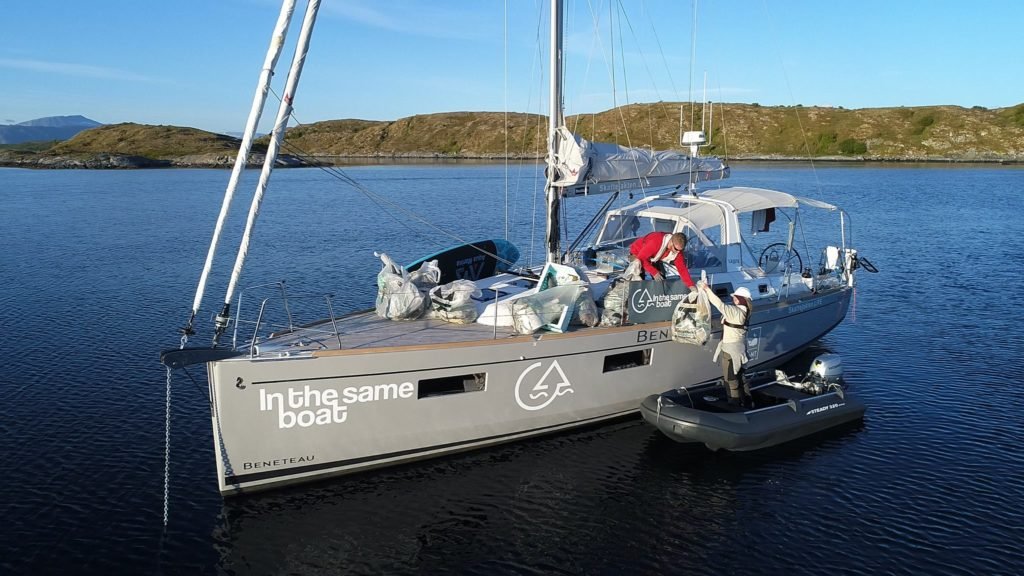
(360, 391)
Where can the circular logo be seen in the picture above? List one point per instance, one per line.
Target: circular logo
(544, 390)
(641, 301)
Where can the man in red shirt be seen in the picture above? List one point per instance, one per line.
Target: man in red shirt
(658, 247)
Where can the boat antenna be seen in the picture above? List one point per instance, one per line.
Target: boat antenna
(692, 138)
(693, 59)
(704, 104)
(258, 101)
(277, 136)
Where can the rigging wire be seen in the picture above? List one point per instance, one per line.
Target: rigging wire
(505, 127)
(622, 118)
(725, 131)
(647, 68)
(796, 109)
(611, 43)
(622, 52)
(374, 197)
(535, 70)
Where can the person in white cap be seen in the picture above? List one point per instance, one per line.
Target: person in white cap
(733, 347)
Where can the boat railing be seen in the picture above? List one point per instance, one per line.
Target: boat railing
(273, 322)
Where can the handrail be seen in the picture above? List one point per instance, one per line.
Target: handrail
(328, 299)
(256, 329)
(334, 322)
(238, 307)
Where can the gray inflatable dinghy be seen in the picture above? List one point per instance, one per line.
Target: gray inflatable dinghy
(784, 409)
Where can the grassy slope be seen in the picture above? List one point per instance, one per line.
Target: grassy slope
(159, 142)
(751, 131)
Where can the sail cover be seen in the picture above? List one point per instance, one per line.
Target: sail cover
(584, 167)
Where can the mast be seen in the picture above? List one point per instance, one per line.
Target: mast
(262, 89)
(283, 113)
(555, 119)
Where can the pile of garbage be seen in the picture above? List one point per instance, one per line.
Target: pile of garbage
(403, 295)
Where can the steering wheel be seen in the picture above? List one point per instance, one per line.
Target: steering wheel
(776, 254)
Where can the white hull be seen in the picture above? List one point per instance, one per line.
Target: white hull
(285, 420)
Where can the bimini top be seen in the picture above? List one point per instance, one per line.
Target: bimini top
(720, 207)
(744, 199)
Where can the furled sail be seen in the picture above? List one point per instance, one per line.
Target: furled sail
(584, 167)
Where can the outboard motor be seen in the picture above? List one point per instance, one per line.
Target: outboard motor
(826, 370)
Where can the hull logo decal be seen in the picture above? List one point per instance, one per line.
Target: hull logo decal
(753, 342)
(642, 301)
(551, 384)
(309, 406)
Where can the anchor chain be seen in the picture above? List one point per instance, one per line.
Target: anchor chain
(167, 445)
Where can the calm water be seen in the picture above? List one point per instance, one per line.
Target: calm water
(99, 269)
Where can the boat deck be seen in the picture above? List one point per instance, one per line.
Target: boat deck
(365, 330)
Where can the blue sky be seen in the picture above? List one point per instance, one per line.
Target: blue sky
(196, 62)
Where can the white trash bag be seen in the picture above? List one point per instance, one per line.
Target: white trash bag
(453, 302)
(585, 311)
(398, 298)
(526, 316)
(691, 320)
(426, 276)
(614, 303)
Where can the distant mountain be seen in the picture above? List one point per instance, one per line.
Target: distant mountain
(45, 129)
(61, 122)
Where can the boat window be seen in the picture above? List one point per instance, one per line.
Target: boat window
(619, 227)
(661, 225)
(633, 359)
(624, 228)
(713, 234)
(702, 252)
(451, 385)
(756, 239)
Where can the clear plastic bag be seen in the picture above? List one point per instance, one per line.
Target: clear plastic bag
(526, 317)
(398, 298)
(585, 312)
(426, 276)
(453, 302)
(691, 320)
(614, 303)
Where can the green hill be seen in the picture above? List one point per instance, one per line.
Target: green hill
(740, 131)
(456, 134)
(156, 142)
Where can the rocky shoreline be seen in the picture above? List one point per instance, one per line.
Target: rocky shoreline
(128, 162)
